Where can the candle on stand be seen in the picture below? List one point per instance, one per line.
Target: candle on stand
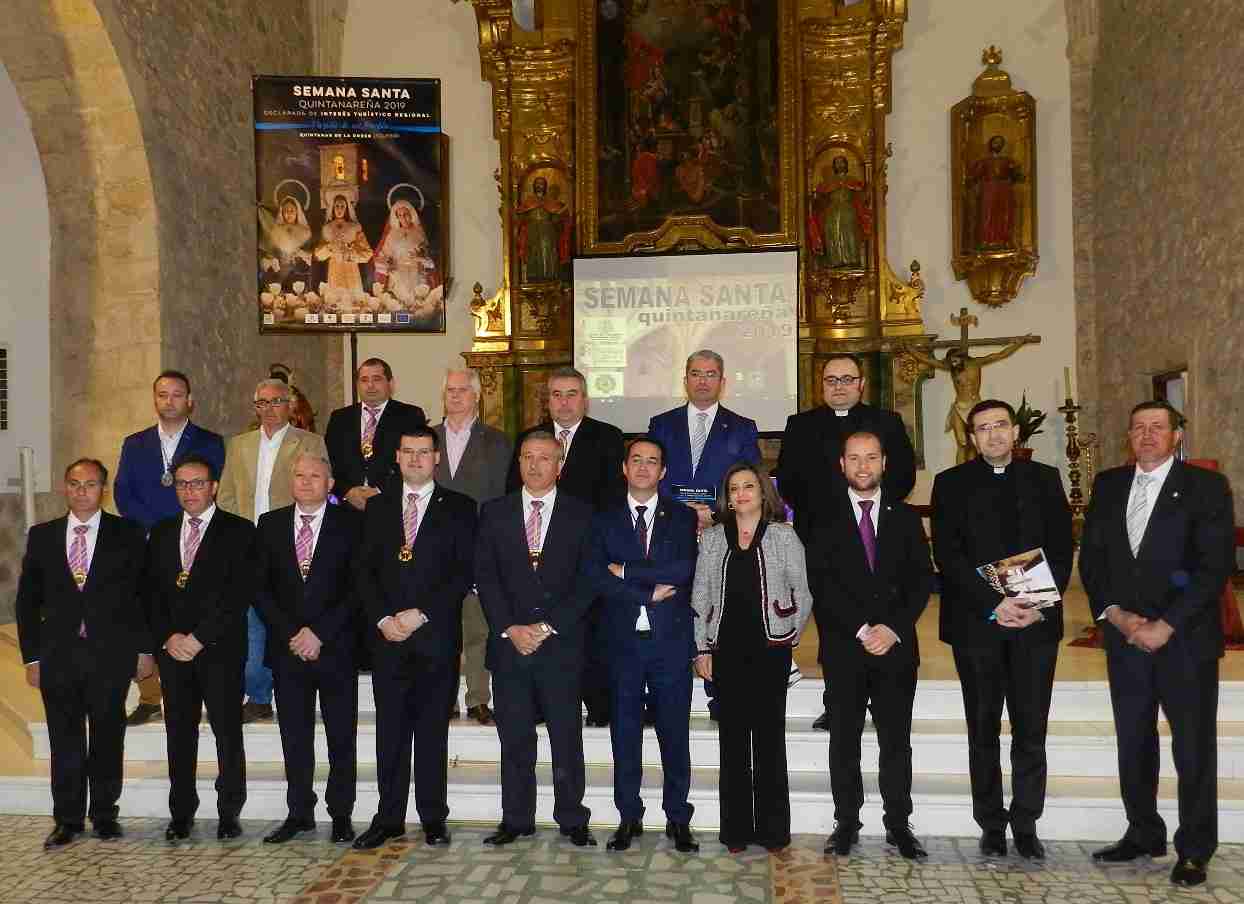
(1067, 380)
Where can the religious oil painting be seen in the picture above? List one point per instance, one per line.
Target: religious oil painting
(351, 205)
(544, 226)
(687, 117)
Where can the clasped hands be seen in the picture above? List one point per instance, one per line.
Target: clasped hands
(306, 645)
(183, 647)
(1145, 634)
(660, 592)
(877, 639)
(399, 627)
(1012, 613)
(527, 638)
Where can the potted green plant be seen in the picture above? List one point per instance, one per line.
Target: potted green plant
(1029, 421)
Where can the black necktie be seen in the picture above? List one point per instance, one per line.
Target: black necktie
(641, 528)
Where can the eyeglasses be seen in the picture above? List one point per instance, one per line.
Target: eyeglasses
(197, 484)
(841, 381)
(416, 453)
(990, 428)
(264, 404)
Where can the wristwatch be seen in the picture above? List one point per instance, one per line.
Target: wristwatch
(544, 628)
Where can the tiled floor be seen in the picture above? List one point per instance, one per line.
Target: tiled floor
(548, 870)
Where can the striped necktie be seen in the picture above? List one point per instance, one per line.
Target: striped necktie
(699, 439)
(1137, 512)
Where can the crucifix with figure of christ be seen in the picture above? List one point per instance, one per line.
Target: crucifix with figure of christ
(965, 372)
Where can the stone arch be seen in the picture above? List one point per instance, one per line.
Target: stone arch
(105, 305)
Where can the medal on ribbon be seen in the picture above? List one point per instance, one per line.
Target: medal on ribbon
(305, 568)
(367, 451)
(183, 578)
(166, 479)
(534, 556)
(405, 554)
(79, 578)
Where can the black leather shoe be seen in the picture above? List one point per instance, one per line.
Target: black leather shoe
(455, 714)
(627, 830)
(289, 829)
(343, 830)
(684, 841)
(580, 836)
(596, 722)
(845, 835)
(228, 829)
(376, 835)
(506, 835)
(436, 835)
(107, 829)
(1188, 872)
(1125, 850)
(178, 830)
(822, 722)
(993, 843)
(144, 713)
(1028, 845)
(908, 844)
(481, 713)
(61, 835)
(257, 712)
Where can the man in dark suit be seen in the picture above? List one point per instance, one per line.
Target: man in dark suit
(703, 438)
(144, 487)
(414, 568)
(530, 568)
(871, 578)
(1157, 550)
(83, 637)
(474, 460)
(304, 591)
(642, 559)
(199, 582)
(809, 479)
(1005, 649)
(591, 471)
(362, 438)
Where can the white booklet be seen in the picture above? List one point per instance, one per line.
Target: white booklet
(1025, 574)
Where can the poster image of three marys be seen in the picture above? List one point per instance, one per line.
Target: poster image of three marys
(991, 204)
(403, 262)
(344, 246)
(545, 228)
(840, 219)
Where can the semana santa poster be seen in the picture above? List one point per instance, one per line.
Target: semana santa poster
(351, 179)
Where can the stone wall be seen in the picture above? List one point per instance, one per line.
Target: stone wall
(190, 65)
(1169, 216)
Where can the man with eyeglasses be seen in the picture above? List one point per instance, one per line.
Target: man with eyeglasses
(809, 476)
(1157, 552)
(144, 487)
(83, 636)
(1005, 650)
(198, 581)
(256, 479)
(413, 569)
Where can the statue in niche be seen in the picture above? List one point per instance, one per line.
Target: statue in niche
(344, 247)
(992, 205)
(545, 228)
(840, 219)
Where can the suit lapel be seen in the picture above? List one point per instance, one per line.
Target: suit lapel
(682, 439)
(857, 541)
(291, 527)
(427, 523)
(658, 524)
(63, 550)
(1167, 505)
(716, 436)
(553, 536)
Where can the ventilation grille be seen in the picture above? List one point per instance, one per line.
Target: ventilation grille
(4, 388)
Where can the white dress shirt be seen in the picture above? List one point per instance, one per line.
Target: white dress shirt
(573, 428)
(363, 406)
(92, 534)
(204, 520)
(169, 443)
(268, 449)
(456, 442)
(546, 512)
(317, 521)
(693, 418)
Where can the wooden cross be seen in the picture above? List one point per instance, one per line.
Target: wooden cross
(965, 321)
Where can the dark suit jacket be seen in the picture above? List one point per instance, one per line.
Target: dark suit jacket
(434, 581)
(213, 604)
(482, 471)
(733, 438)
(50, 608)
(593, 470)
(1186, 556)
(325, 602)
(847, 594)
(808, 471)
(559, 593)
(344, 438)
(968, 532)
(670, 560)
(140, 495)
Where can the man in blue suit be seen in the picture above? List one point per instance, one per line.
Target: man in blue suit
(144, 487)
(703, 438)
(642, 560)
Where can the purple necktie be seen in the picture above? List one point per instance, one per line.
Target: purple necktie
(641, 528)
(867, 534)
(302, 545)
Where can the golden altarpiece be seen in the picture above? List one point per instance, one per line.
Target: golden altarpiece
(797, 90)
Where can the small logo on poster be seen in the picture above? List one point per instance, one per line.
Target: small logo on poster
(403, 317)
(347, 318)
(367, 318)
(330, 318)
(384, 318)
(269, 319)
(312, 318)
